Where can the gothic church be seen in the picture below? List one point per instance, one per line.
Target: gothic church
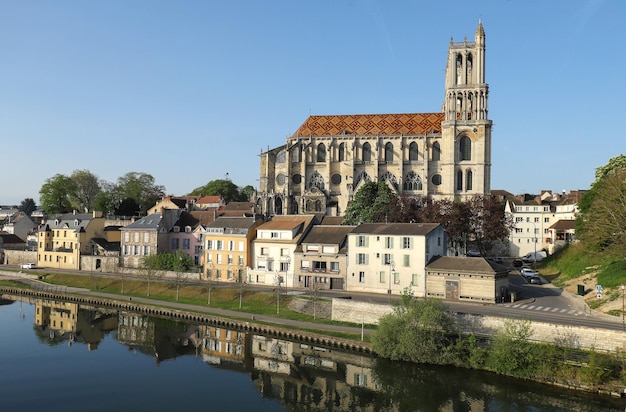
(444, 155)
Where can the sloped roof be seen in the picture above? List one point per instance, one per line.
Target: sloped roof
(371, 124)
(232, 223)
(286, 222)
(465, 264)
(564, 224)
(205, 216)
(209, 199)
(395, 229)
(149, 222)
(10, 239)
(187, 219)
(106, 245)
(331, 220)
(329, 235)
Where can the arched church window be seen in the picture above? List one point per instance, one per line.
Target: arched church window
(321, 153)
(459, 180)
(280, 157)
(367, 152)
(389, 152)
(465, 148)
(468, 180)
(412, 181)
(436, 151)
(342, 152)
(363, 176)
(318, 205)
(295, 154)
(459, 68)
(413, 153)
(470, 60)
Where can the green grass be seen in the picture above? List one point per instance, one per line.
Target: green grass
(222, 297)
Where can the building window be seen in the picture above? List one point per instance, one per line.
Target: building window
(362, 259)
(186, 244)
(146, 237)
(342, 152)
(406, 243)
(468, 180)
(334, 266)
(367, 152)
(396, 278)
(388, 242)
(412, 181)
(219, 245)
(274, 235)
(321, 153)
(362, 241)
(381, 276)
(436, 152)
(175, 243)
(413, 153)
(436, 179)
(361, 277)
(230, 259)
(387, 259)
(465, 148)
(414, 279)
(459, 180)
(406, 261)
(264, 251)
(389, 152)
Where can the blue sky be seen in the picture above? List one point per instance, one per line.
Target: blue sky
(190, 91)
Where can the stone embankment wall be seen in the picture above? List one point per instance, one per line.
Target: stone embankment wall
(582, 337)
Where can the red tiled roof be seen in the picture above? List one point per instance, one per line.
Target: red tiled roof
(373, 124)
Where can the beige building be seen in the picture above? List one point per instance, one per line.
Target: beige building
(64, 238)
(321, 258)
(387, 258)
(227, 248)
(274, 247)
(471, 279)
(443, 155)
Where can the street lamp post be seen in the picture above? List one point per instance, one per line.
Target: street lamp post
(623, 325)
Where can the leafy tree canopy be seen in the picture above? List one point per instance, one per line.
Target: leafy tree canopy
(86, 189)
(373, 202)
(225, 188)
(27, 206)
(55, 194)
(140, 188)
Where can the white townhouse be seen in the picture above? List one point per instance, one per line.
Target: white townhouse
(388, 257)
(274, 247)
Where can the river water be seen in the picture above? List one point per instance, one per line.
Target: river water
(58, 356)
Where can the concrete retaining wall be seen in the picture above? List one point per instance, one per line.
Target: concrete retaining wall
(573, 336)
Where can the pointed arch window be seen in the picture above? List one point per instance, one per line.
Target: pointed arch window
(321, 153)
(295, 154)
(468, 180)
(342, 152)
(413, 152)
(465, 148)
(412, 181)
(459, 180)
(389, 152)
(367, 152)
(436, 155)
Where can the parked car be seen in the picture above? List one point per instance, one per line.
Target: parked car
(517, 263)
(473, 253)
(534, 280)
(527, 272)
(498, 259)
(28, 266)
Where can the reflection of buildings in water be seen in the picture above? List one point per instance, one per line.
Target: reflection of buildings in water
(310, 375)
(66, 321)
(218, 345)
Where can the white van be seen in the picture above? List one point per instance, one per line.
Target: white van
(535, 256)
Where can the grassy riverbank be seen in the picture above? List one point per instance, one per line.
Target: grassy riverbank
(245, 301)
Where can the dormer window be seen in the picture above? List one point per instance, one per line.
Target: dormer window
(56, 222)
(187, 229)
(76, 222)
(176, 229)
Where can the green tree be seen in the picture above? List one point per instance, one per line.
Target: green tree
(601, 224)
(27, 206)
(55, 194)
(614, 164)
(372, 203)
(139, 187)
(511, 353)
(86, 189)
(419, 331)
(224, 188)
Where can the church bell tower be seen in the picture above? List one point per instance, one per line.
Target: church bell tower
(466, 129)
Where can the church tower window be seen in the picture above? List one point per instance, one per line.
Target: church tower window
(342, 152)
(321, 153)
(465, 148)
(389, 152)
(436, 152)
